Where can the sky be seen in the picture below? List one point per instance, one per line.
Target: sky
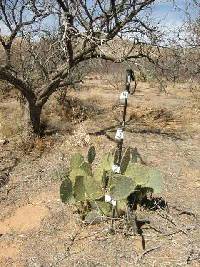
(169, 16)
(166, 14)
(172, 16)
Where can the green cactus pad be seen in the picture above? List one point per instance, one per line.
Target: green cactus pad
(107, 162)
(116, 156)
(134, 155)
(79, 189)
(66, 192)
(138, 173)
(83, 170)
(104, 207)
(105, 165)
(104, 179)
(93, 188)
(76, 160)
(91, 154)
(145, 176)
(125, 160)
(121, 207)
(86, 167)
(93, 217)
(155, 181)
(121, 187)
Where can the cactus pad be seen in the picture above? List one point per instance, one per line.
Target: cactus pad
(79, 189)
(76, 160)
(145, 176)
(91, 154)
(121, 187)
(125, 160)
(66, 193)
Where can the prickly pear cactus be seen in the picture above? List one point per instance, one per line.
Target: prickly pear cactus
(81, 185)
(115, 182)
(85, 185)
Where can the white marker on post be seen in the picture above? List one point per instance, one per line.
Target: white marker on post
(114, 202)
(116, 168)
(108, 198)
(119, 134)
(123, 97)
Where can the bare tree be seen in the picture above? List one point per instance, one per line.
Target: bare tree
(193, 43)
(180, 60)
(48, 60)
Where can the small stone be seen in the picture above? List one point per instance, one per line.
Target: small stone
(3, 141)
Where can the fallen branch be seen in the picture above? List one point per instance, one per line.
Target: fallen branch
(147, 251)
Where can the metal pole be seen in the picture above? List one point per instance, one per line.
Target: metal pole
(119, 136)
(123, 124)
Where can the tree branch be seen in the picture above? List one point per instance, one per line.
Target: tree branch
(23, 87)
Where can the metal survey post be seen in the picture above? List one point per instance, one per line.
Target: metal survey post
(130, 76)
(119, 137)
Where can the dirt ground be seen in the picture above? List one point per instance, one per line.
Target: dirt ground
(37, 230)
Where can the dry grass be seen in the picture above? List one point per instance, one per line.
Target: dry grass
(11, 123)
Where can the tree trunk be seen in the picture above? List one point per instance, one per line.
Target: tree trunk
(35, 118)
(32, 119)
